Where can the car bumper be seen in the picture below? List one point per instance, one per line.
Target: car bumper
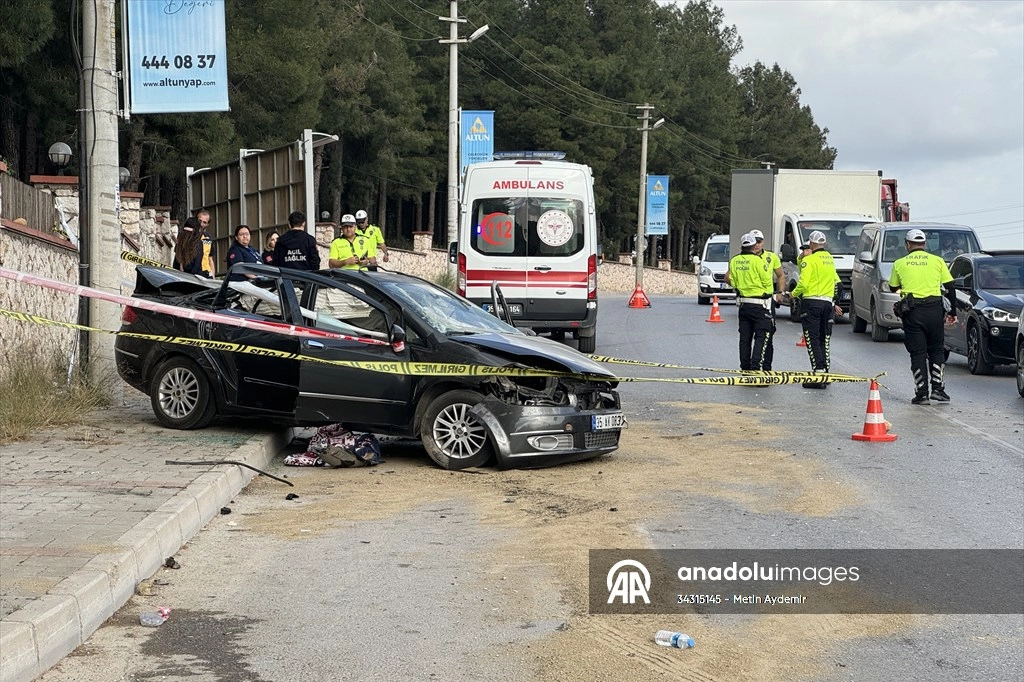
(708, 287)
(515, 430)
(1000, 343)
(884, 309)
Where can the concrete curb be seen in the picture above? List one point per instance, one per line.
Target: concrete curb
(44, 631)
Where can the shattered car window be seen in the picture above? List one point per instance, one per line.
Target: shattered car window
(444, 311)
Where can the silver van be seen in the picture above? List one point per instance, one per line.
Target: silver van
(880, 245)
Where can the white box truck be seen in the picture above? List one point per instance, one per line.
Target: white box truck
(787, 204)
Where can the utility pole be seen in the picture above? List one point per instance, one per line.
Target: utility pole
(453, 119)
(639, 298)
(101, 263)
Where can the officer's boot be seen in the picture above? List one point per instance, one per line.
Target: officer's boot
(920, 384)
(938, 388)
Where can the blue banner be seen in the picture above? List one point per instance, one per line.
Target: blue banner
(177, 53)
(477, 138)
(657, 204)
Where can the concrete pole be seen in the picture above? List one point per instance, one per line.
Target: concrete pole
(641, 214)
(100, 100)
(453, 124)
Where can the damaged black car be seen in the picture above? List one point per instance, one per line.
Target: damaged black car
(343, 317)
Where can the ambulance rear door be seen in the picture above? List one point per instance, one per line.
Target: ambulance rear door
(531, 230)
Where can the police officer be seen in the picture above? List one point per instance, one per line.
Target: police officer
(373, 236)
(775, 265)
(922, 278)
(349, 251)
(751, 276)
(818, 289)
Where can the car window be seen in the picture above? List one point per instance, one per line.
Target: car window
(1000, 275)
(442, 310)
(718, 252)
(867, 241)
(338, 310)
(259, 297)
(947, 244)
(960, 268)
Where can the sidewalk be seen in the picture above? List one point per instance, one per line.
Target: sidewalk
(88, 511)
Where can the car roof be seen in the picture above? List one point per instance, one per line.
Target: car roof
(979, 255)
(921, 225)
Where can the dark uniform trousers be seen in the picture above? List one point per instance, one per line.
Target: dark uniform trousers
(816, 317)
(923, 336)
(756, 331)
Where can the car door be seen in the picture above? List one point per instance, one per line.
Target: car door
(956, 336)
(864, 272)
(261, 382)
(360, 398)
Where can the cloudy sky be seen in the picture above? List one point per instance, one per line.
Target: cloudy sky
(931, 93)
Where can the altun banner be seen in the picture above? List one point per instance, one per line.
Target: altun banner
(177, 54)
(476, 138)
(657, 204)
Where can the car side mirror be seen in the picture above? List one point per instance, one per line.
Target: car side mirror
(453, 252)
(787, 253)
(864, 257)
(960, 283)
(397, 339)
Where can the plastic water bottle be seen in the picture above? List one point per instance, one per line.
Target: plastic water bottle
(678, 640)
(155, 619)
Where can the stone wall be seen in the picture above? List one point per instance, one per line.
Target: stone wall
(26, 249)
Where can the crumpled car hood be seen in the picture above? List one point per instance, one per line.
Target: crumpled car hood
(1009, 301)
(526, 347)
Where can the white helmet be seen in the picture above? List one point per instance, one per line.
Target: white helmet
(347, 219)
(361, 215)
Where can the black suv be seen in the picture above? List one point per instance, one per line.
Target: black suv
(989, 298)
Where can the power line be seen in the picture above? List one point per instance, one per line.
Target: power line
(987, 210)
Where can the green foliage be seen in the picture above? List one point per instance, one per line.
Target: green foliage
(559, 74)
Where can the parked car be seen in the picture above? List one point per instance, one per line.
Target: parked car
(380, 317)
(711, 269)
(989, 297)
(880, 245)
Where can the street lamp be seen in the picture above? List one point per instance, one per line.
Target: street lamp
(60, 156)
(639, 298)
(123, 176)
(453, 41)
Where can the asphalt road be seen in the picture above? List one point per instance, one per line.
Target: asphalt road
(404, 572)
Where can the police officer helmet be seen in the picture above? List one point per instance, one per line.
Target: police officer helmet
(748, 240)
(758, 235)
(348, 219)
(361, 215)
(916, 236)
(816, 237)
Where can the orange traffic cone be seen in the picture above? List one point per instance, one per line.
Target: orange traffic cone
(802, 342)
(639, 298)
(716, 316)
(876, 429)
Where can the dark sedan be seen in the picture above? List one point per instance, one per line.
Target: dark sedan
(989, 298)
(340, 315)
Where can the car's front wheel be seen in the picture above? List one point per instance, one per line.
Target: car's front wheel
(878, 332)
(180, 394)
(453, 437)
(976, 352)
(1020, 369)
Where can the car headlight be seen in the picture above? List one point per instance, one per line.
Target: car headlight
(705, 272)
(999, 315)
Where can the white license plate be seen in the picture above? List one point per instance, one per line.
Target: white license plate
(515, 308)
(603, 422)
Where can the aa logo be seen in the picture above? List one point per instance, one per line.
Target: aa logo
(628, 585)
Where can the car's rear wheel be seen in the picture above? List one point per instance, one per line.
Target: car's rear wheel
(180, 395)
(588, 343)
(976, 351)
(878, 332)
(453, 437)
(1020, 368)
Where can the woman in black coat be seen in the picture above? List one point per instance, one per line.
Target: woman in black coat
(268, 248)
(241, 252)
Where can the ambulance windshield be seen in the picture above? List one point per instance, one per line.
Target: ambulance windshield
(521, 227)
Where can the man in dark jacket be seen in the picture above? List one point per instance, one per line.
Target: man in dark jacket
(296, 248)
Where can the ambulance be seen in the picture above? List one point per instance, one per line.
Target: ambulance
(528, 222)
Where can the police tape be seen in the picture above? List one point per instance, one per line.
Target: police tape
(745, 372)
(439, 369)
(188, 313)
(140, 260)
